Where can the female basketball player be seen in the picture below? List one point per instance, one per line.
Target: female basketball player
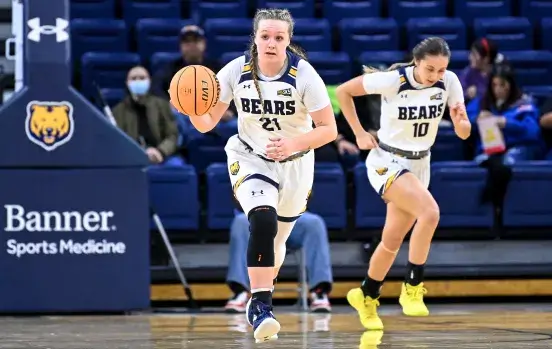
(413, 102)
(271, 161)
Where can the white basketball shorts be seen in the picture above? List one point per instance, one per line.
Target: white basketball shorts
(384, 168)
(256, 182)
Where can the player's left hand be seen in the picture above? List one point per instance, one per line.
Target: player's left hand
(280, 148)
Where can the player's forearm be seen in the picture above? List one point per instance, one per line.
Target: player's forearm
(462, 128)
(320, 136)
(203, 123)
(348, 109)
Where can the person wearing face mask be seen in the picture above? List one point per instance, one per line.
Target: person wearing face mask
(148, 119)
(517, 118)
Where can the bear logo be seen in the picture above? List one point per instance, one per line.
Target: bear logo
(49, 124)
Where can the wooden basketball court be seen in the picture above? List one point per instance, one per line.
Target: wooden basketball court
(449, 326)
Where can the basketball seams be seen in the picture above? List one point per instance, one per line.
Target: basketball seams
(214, 84)
(178, 89)
(195, 90)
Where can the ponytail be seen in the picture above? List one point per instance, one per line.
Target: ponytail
(297, 50)
(394, 66)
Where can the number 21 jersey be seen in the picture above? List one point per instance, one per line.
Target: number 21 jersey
(287, 99)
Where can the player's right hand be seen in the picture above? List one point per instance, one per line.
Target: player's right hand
(366, 141)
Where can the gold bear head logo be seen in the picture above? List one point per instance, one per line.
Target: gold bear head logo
(49, 124)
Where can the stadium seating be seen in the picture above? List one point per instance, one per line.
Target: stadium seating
(534, 10)
(205, 9)
(333, 67)
(509, 33)
(108, 38)
(108, 70)
(313, 34)
(133, 10)
(403, 10)
(227, 35)
(92, 9)
(527, 200)
(98, 35)
(374, 34)
(467, 10)
(336, 11)
(174, 196)
(298, 8)
(158, 35)
(329, 187)
(457, 189)
(451, 29)
(220, 202)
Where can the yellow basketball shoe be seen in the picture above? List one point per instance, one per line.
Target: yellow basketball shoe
(367, 309)
(412, 300)
(370, 339)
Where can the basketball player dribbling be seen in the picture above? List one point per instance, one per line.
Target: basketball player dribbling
(278, 95)
(414, 97)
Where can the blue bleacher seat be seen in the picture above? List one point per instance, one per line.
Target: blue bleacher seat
(447, 147)
(374, 34)
(527, 202)
(112, 96)
(333, 67)
(329, 187)
(230, 56)
(220, 202)
(97, 35)
(227, 35)
(343, 10)
(470, 9)
(539, 93)
(313, 34)
(205, 149)
(459, 60)
(298, 8)
(452, 30)
(546, 34)
(457, 190)
(534, 10)
(403, 10)
(92, 9)
(532, 68)
(509, 33)
(174, 196)
(381, 59)
(369, 207)
(133, 10)
(108, 70)
(158, 35)
(159, 60)
(207, 9)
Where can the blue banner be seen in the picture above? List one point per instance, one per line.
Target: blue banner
(73, 243)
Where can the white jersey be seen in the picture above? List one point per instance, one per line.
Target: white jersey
(410, 112)
(288, 98)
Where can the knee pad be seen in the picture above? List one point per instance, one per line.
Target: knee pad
(263, 226)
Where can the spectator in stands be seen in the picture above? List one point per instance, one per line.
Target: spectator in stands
(546, 124)
(474, 78)
(148, 119)
(309, 233)
(517, 118)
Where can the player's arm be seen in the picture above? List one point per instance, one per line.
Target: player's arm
(381, 83)
(458, 114)
(226, 77)
(317, 101)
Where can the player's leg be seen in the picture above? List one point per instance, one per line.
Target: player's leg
(296, 178)
(365, 298)
(256, 190)
(409, 192)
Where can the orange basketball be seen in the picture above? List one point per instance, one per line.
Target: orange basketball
(194, 90)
